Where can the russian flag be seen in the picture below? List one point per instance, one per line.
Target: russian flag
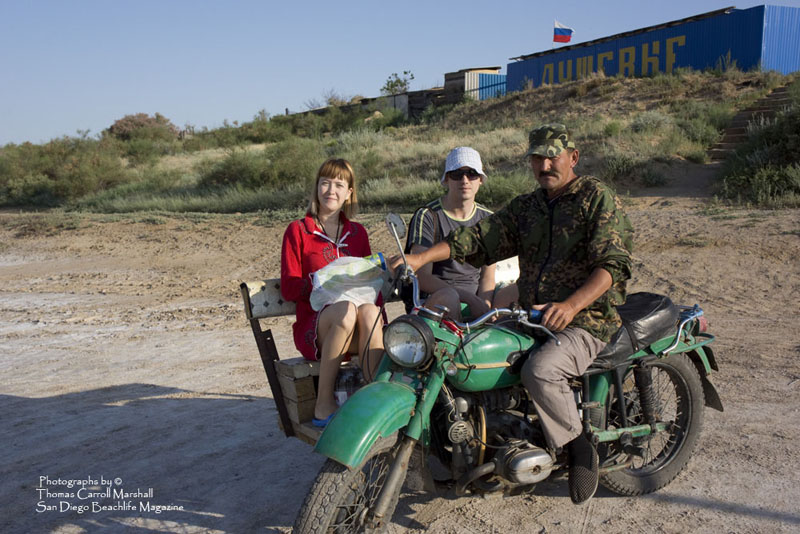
(561, 33)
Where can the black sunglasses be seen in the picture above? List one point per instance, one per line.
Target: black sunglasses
(457, 174)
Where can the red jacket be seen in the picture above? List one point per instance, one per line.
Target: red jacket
(305, 250)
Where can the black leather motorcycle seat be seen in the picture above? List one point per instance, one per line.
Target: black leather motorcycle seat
(646, 318)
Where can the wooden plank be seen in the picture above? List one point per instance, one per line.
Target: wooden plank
(300, 412)
(307, 432)
(297, 368)
(299, 389)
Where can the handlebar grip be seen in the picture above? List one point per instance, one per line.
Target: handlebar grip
(535, 316)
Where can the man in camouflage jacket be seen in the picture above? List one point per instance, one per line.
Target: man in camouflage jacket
(573, 241)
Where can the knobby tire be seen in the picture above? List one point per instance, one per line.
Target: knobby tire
(680, 400)
(339, 497)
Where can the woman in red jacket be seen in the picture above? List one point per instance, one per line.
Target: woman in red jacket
(310, 243)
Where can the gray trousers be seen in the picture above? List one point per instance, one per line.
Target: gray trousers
(546, 375)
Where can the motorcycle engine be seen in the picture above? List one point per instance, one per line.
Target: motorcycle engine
(524, 463)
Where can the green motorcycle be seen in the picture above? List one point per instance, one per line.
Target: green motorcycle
(453, 391)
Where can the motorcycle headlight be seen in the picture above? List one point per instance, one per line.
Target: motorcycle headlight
(408, 341)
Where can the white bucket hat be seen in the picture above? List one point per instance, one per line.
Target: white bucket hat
(462, 156)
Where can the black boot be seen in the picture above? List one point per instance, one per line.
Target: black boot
(583, 469)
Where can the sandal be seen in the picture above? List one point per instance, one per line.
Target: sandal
(322, 423)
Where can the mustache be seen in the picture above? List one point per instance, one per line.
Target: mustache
(549, 173)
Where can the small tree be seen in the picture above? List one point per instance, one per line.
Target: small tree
(396, 84)
(142, 125)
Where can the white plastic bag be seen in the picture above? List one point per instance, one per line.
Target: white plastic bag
(349, 278)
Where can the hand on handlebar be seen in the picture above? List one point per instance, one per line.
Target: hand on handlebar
(395, 262)
(556, 315)
(413, 261)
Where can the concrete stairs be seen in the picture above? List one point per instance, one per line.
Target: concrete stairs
(736, 132)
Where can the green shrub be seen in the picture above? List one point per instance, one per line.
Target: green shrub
(668, 83)
(385, 192)
(616, 166)
(368, 166)
(390, 117)
(699, 155)
(248, 168)
(308, 125)
(764, 170)
(60, 170)
(30, 189)
(262, 130)
(359, 139)
(228, 136)
(295, 160)
(717, 114)
(649, 121)
(221, 200)
(144, 151)
(699, 131)
(770, 186)
(612, 129)
(652, 178)
(500, 188)
(435, 114)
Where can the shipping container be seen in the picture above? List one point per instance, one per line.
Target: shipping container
(766, 37)
(485, 86)
(478, 83)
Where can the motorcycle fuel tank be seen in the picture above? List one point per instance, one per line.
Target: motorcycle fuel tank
(482, 360)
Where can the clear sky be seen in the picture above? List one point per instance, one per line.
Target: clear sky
(69, 65)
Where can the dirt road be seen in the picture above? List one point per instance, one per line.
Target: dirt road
(127, 365)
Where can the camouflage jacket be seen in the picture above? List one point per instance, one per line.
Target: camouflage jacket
(559, 244)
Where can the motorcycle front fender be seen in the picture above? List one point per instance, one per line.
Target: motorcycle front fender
(376, 410)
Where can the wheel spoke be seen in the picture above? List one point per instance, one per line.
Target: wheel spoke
(658, 448)
(364, 491)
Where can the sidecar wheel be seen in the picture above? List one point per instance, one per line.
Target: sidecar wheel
(679, 394)
(340, 498)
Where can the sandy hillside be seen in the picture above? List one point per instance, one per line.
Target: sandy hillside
(126, 360)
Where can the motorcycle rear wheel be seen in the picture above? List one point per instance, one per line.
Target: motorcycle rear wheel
(340, 498)
(680, 399)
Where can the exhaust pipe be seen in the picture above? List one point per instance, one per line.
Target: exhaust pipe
(470, 476)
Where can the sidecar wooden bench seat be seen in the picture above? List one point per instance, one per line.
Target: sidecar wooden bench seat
(293, 381)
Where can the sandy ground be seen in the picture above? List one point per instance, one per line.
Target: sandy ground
(127, 364)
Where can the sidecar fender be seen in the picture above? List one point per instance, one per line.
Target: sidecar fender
(376, 410)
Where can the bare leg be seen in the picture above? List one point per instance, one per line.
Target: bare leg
(370, 339)
(335, 327)
(446, 297)
(505, 296)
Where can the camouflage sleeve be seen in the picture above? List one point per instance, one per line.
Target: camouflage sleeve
(493, 239)
(610, 235)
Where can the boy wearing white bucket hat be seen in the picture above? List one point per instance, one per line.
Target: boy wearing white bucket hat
(449, 282)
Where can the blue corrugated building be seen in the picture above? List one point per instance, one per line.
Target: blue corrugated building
(763, 36)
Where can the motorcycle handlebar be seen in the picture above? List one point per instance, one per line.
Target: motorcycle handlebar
(529, 318)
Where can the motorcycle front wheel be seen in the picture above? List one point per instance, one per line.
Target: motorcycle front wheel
(655, 460)
(340, 498)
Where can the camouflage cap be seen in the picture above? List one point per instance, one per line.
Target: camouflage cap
(549, 140)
